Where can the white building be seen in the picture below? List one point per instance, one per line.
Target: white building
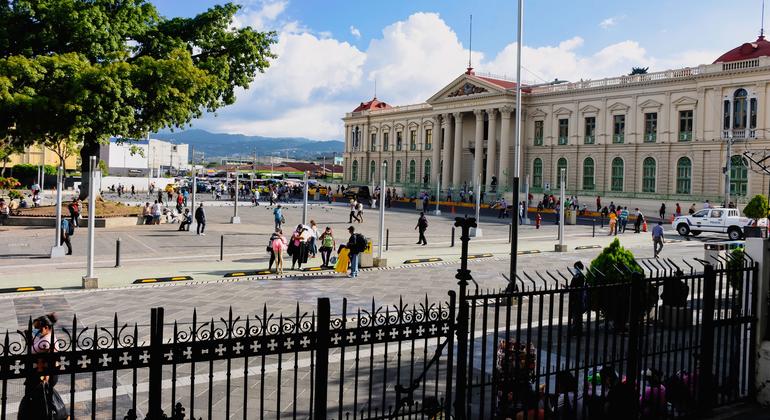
(137, 158)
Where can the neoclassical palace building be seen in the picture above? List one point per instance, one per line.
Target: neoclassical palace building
(658, 136)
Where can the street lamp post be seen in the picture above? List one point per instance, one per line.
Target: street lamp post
(304, 199)
(194, 174)
(235, 219)
(728, 167)
(437, 212)
(561, 246)
(89, 280)
(57, 250)
(381, 261)
(475, 232)
(517, 149)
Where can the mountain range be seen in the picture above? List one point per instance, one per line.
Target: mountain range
(231, 145)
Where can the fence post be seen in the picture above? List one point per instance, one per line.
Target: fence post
(463, 275)
(634, 328)
(154, 409)
(117, 253)
(222, 247)
(453, 237)
(593, 228)
(387, 239)
(706, 372)
(321, 359)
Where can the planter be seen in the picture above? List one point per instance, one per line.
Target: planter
(753, 232)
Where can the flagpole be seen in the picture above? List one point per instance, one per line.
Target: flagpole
(517, 149)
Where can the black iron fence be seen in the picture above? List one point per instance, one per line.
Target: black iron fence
(669, 340)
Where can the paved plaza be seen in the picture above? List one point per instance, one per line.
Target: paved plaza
(162, 251)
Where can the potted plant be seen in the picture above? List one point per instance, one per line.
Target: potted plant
(756, 209)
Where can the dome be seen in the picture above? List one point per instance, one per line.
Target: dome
(373, 104)
(758, 48)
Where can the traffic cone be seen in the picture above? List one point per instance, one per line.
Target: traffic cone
(672, 218)
(644, 226)
(453, 209)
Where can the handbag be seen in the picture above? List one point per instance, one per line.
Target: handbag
(56, 408)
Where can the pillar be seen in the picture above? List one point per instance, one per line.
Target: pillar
(446, 125)
(504, 171)
(435, 160)
(491, 146)
(478, 157)
(458, 149)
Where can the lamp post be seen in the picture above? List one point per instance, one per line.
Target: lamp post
(193, 173)
(304, 198)
(728, 167)
(235, 219)
(89, 280)
(561, 246)
(475, 232)
(437, 212)
(57, 250)
(381, 261)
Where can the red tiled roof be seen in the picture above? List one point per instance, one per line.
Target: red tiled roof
(505, 84)
(758, 48)
(373, 104)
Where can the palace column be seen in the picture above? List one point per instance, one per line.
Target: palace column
(446, 125)
(491, 146)
(435, 160)
(478, 156)
(505, 146)
(458, 149)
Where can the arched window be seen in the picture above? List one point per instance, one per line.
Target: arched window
(683, 175)
(426, 171)
(412, 171)
(617, 175)
(648, 175)
(740, 108)
(739, 175)
(372, 169)
(354, 171)
(398, 171)
(588, 174)
(537, 173)
(385, 170)
(560, 164)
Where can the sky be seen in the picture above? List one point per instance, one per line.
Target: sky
(331, 52)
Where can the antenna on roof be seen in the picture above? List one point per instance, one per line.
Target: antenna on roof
(762, 23)
(470, 46)
(375, 88)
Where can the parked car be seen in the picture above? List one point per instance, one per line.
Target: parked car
(719, 220)
(358, 192)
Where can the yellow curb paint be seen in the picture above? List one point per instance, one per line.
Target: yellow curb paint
(25, 289)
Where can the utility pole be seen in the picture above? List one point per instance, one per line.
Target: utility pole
(517, 150)
(437, 212)
(728, 167)
(89, 281)
(382, 262)
(561, 247)
(235, 219)
(57, 250)
(475, 232)
(304, 198)
(194, 174)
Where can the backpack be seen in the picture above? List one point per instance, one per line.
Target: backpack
(68, 227)
(360, 242)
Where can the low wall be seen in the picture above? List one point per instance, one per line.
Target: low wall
(51, 221)
(141, 184)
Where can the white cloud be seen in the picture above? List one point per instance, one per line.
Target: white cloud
(260, 18)
(355, 32)
(609, 22)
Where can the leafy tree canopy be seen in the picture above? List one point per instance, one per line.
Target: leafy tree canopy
(91, 69)
(757, 207)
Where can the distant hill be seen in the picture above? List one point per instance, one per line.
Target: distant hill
(230, 145)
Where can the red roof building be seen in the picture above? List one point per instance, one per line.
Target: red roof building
(373, 104)
(758, 48)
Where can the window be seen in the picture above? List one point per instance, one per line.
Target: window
(537, 173)
(372, 168)
(588, 174)
(726, 115)
(563, 131)
(739, 175)
(373, 143)
(753, 113)
(685, 125)
(648, 175)
(413, 140)
(426, 171)
(618, 128)
(428, 139)
(354, 171)
(399, 141)
(683, 175)
(538, 133)
(398, 171)
(486, 127)
(385, 170)
(702, 213)
(650, 127)
(590, 130)
(385, 142)
(412, 171)
(739, 109)
(617, 175)
(560, 164)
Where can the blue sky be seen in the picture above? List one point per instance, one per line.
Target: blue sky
(331, 51)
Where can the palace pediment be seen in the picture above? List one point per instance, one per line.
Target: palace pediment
(468, 86)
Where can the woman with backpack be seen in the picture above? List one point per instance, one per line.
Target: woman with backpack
(41, 401)
(276, 246)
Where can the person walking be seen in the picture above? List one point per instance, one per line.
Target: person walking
(278, 216)
(352, 207)
(200, 219)
(312, 241)
(657, 238)
(613, 224)
(598, 203)
(691, 211)
(66, 230)
(578, 300)
(502, 213)
(678, 211)
(157, 211)
(662, 211)
(5, 212)
(624, 219)
(298, 247)
(275, 246)
(638, 222)
(186, 221)
(356, 245)
(422, 226)
(327, 246)
(74, 209)
(360, 212)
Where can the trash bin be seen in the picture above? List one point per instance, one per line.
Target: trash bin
(570, 217)
(317, 195)
(715, 252)
(418, 204)
(367, 257)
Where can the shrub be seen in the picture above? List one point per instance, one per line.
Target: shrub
(13, 194)
(8, 183)
(757, 207)
(735, 265)
(26, 170)
(616, 265)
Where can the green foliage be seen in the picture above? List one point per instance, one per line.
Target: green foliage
(8, 183)
(27, 170)
(103, 168)
(734, 265)
(757, 207)
(615, 265)
(13, 194)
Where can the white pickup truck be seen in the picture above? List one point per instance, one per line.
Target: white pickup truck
(719, 220)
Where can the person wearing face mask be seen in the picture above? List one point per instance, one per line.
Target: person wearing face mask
(41, 401)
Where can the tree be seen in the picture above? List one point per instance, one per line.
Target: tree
(91, 69)
(757, 208)
(638, 70)
(7, 149)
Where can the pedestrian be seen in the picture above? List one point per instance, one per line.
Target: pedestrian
(200, 219)
(352, 207)
(278, 216)
(66, 230)
(422, 226)
(133, 190)
(706, 205)
(360, 212)
(558, 216)
(5, 212)
(186, 221)
(613, 224)
(612, 207)
(624, 219)
(692, 209)
(327, 246)
(41, 401)
(356, 245)
(147, 213)
(160, 196)
(275, 247)
(313, 239)
(578, 300)
(503, 212)
(74, 209)
(598, 203)
(157, 210)
(298, 247)
(639, 220)
(657, 238)
(662, 211)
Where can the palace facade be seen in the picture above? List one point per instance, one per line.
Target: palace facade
(657, 136)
